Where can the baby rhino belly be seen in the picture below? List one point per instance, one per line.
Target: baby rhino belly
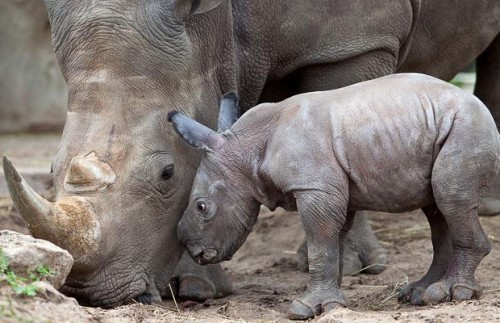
(394, 192)
(394, 176)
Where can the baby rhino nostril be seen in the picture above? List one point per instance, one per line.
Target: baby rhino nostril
(209, 254)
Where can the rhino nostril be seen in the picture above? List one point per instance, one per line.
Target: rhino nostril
(196, 251)
(209, 254)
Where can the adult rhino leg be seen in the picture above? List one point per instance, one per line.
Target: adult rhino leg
(361, 250)
(198, 283)
(488, 90)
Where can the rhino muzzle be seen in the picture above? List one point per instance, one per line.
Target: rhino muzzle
(70, 223)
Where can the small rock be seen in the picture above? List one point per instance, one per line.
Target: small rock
(26, 254)
(49, 293)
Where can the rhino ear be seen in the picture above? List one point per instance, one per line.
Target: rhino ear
(195, 134)
(186, 8)
(202, 6)
(229, 111)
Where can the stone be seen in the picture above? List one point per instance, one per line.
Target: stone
(25, 254)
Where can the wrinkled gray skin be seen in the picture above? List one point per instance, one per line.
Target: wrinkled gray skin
(127, 63)
(395, 144)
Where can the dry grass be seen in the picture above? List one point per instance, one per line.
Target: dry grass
(386, 297)
(156, 313)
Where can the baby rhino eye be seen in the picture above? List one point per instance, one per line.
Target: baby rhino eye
(202, 206)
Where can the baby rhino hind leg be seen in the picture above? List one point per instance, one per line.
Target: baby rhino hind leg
(469, 246)
(441, 244)
(464, 168)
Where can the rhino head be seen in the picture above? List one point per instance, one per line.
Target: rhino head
(222, 208)
(122, 177)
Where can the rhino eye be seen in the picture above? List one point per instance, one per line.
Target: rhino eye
(201, 206)
(167, 172)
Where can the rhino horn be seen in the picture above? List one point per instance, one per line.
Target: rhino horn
(87, 174)
(71, 223)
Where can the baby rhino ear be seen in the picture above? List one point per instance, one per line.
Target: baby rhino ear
(194, 133)
(229, 111)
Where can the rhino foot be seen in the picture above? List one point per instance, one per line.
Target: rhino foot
(199, 283)
(489, 206)
(451, 289)
(196, 288)
(413, 293)
(373, 263)
(312, 304)
(444, 290)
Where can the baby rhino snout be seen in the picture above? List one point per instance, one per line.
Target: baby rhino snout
(201, 255)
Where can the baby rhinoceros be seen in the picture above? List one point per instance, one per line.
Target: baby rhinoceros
(394, 144)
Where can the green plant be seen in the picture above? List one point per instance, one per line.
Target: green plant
(4, 262)
(45, 271)
(21, 285)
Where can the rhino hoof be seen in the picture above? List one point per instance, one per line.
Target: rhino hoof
(145, 298)
(300, 311)
(412, 295)
(461, 292)
(436, 293)
(196, 288)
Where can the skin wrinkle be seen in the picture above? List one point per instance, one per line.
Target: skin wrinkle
(103, 293)
(431, 127)
(113, 290)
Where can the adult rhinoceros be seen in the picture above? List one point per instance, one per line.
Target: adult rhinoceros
(123, 177)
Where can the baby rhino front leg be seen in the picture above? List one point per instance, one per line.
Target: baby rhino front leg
(326, 222)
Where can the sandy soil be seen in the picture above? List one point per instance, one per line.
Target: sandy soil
(266, 280)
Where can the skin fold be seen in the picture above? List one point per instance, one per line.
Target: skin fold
(395, 144)
(127, 63)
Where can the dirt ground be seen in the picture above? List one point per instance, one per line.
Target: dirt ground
(266, 280)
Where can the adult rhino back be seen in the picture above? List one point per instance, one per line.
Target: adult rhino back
(127, 63)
